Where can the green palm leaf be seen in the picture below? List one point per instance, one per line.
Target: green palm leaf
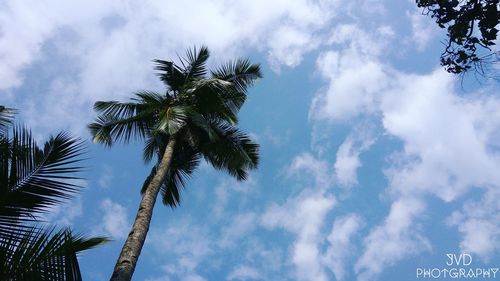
(184, 163)
(196, 60)
(216, 97)
(239, 72)
(123, 122)
(172, 119)
(31, 179)
(172, 75)
(41, 254)
(6, 117)
(231, 150)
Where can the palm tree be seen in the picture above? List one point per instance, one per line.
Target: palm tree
(31, 181)
(195, 119)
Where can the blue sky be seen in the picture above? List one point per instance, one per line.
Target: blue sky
(375, 162)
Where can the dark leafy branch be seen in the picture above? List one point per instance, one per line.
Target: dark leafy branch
(472, 28)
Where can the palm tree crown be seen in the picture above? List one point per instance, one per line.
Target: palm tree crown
(201, 112)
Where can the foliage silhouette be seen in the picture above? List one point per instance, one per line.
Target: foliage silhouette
(32, 180)
(472, 28)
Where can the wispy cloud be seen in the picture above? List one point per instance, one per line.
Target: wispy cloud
(397, 238)
(340, 244)
(303, 216)
(423, 29)
(106, 177)
(320, 171)
(190, 242)
(240, 227)
(244, 273)
(479, 224)
(114, 219)
(347, 159)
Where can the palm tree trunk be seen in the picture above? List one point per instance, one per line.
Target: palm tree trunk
(131, 250)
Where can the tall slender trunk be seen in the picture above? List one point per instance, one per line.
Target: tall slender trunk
(131, 250)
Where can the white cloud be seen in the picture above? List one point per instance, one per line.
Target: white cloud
(193, 277)
(448, 148)
(304, 216)
(347, 160)
(371, 42)
(372, 6)
(244, 272)
(319, 170)
(447, 151)
(446, 138)
(190, 243)
(355, 83)
(449, 141)
(397, 238)
(346, 164)
(221, 197)
(355, 75)
(65, 214)
(112, 42)
(423, 29)
(226, 188)
(162, 278)
(288, 46)
(241, 226)
(265, 255)
(114, 219)
(25, 27)
(479, 236)
(340, 244)
(479, 225)
(62, 108)
(278, 139)
(20, 40)
(106, 177)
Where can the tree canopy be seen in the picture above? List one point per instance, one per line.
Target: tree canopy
(472, 28)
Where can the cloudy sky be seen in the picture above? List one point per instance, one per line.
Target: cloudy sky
(375, 161)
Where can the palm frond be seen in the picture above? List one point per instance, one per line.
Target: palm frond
(233, 101)
(152, 146)
(118, 109)
(32, 179)
(150, 99)
(155, 143)
(211, 101)
(196, 63)
(184, 161)
(41, 254)
(171, 74)
(239, 72)
(126, 121)
(214, 84)
(107, 129)
(6, 117)
(231, 150)
(172, 119)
